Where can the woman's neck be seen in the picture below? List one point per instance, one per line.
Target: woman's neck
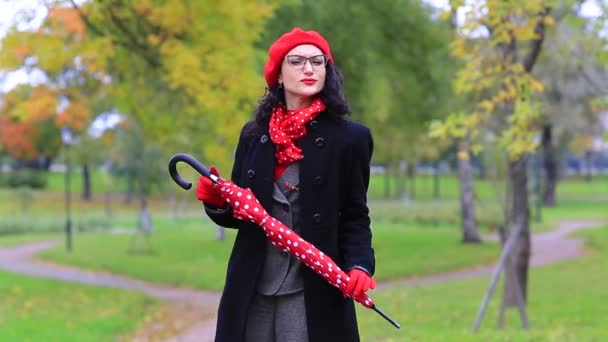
(295, 102)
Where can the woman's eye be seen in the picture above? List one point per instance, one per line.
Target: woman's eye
(296, 61)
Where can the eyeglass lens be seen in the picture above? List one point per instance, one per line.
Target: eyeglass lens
(317, 62)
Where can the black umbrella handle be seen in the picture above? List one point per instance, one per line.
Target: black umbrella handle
(198, 166)
(386, 317)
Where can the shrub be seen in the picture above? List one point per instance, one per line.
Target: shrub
(25, 178)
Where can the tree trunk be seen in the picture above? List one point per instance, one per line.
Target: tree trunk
(402, 192)
(86, 182)
(145, 219)
(467, 208)
(140, 242)
(411, 175)
(45, 162)
(436, 193)
(550, 165)
(516, 271)
(173, 205)
(387, 182)
(130, 186)
(108, 207)
(589, 166)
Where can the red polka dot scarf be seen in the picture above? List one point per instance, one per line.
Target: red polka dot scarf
(286, 127)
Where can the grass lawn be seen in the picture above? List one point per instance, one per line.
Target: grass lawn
(422, 188)
(190, 256)
(567, 302)
(48, 214)
(440, 213)
(13, 240)
(34, 309)
(577, 208)
(44, 211)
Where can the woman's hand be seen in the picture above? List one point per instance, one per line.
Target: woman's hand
(208, 193)
(359, 282)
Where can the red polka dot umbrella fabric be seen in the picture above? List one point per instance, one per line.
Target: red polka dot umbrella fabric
(246, 207)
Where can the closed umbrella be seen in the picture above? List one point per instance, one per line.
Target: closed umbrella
(245, 206)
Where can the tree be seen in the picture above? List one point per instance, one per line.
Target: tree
(181, 72)
(186, 67)
(27, 124)
(497, 72)
(73, 76)
(468, 219)
(573, 80)
(145, 171)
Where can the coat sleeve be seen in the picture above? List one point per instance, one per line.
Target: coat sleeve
(223, 217)
(355, 236)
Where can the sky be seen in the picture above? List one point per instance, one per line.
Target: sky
(8, 13)
(590, 7)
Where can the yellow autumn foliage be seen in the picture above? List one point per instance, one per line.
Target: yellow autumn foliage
(496, 80)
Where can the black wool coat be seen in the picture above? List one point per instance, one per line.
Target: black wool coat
(334, 177)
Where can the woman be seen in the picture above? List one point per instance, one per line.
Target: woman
(309, 167)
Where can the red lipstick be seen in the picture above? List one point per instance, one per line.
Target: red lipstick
(309, 81)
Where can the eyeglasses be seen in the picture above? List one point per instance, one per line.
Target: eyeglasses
(299, 62)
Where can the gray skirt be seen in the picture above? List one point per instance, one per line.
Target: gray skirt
(277, 319)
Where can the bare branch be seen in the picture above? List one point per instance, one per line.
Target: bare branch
(130, 43)
(132, 40)
(536, 45)
(86, 20)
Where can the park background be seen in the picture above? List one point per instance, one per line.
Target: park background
(489, 117)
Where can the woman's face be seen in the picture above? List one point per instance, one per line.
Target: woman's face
(303, 72)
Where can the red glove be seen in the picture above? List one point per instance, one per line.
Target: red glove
(359, 282)
(207, 192)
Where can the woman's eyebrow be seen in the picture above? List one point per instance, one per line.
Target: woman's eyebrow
(302, 55)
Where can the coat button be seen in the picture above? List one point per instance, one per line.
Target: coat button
(317, 180)
(316, 218)
(264, 139)
(250, 174)
(314, 124)
(320, 142)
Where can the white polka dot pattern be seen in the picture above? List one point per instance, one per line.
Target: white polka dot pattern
(246, 207)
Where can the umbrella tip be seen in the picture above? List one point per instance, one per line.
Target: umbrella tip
(386, 317)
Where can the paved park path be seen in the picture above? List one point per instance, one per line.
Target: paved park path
(190, 315)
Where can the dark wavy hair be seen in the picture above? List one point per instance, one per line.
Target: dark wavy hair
(336, 105)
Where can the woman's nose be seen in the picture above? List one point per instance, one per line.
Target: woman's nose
(308, 67)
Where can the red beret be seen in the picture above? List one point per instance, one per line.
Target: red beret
(284, 44)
